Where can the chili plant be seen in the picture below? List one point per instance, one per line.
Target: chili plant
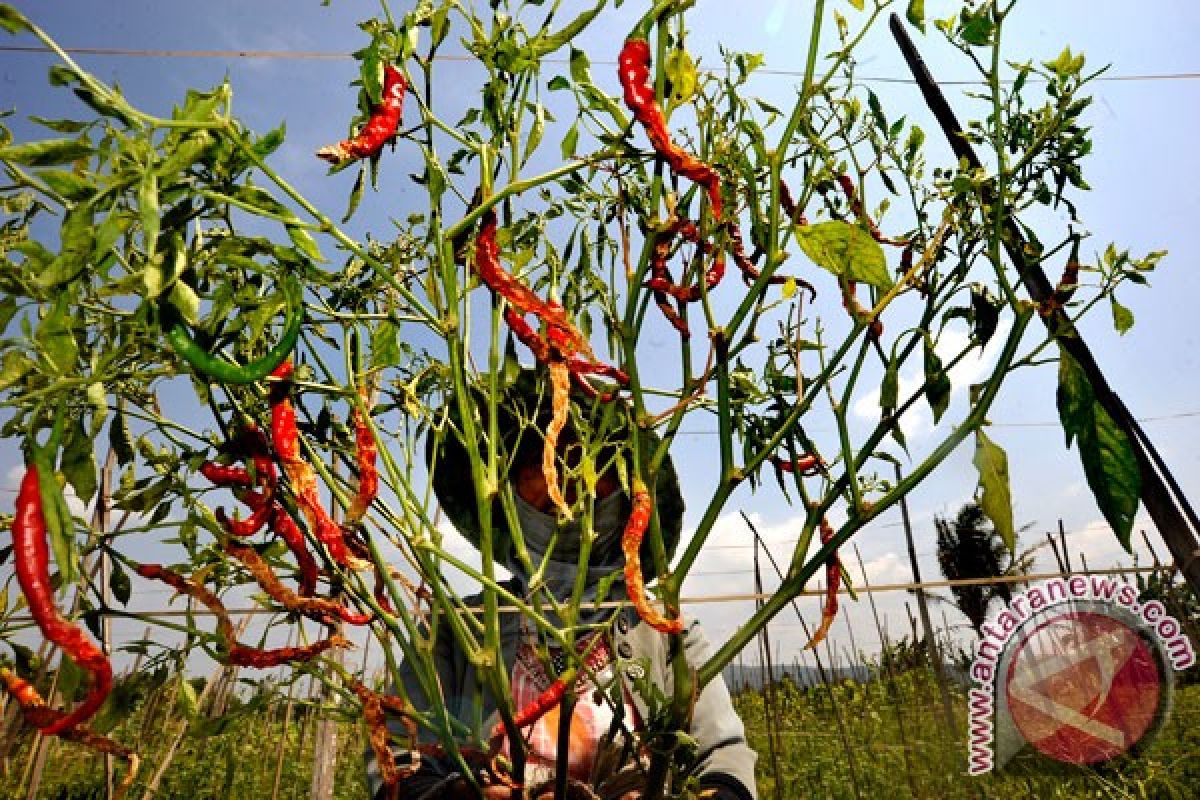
(146, 252)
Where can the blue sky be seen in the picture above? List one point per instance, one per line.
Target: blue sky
(1144, 197)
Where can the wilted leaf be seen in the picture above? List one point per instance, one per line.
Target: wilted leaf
(996, 499)
(1109, 461)
(845, 250)
(937, 382)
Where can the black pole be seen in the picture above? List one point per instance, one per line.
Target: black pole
(1164, 500)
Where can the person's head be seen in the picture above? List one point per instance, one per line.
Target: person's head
(594, 449)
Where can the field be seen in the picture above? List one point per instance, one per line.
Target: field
(884, 738)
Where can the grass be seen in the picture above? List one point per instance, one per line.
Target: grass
(901, 747)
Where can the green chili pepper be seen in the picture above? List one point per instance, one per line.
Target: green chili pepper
(218, 369)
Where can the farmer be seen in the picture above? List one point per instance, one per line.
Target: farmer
(618, 651)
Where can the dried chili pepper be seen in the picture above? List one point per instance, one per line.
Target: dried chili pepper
(807, 465)
(631, 545)
(660, 276)
(286, 529)
(560, 397)
(563, 341)
(39, 715)
(303, 481)
(207, 364)
(856, 208)
(380, 127)
(320, 609)
(833, 582)
(633, 70)
(31, 554)
(856, 310)
(366, 453)
(260, 515)
(375, 708)
(235, 653)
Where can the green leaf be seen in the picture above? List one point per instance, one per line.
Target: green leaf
(189, 704)
(8, 310)
(937, 382)
(845, 250)
(977, 27)
(76, 236)
(270, 142)
(996, 499)
(356, 193)
(67, 184)
(56, 338)
(12, 20)
(1122, 316)
(385, 345)
(70, 678)
(580, 66)
(119, 584)
(916, 14)
(569, 142)
(536, 130)
(558, 83)
(889, 390)
(46, 153)
(304, 242)
(1074, 398)
(1109, 461)
(78, 463)
(14, 366)
(858, 4)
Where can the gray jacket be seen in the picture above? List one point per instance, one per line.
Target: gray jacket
(721, 742)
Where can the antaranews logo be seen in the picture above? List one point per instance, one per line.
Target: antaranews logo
(1075, 668)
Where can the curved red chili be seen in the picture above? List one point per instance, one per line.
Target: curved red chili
(31, 554)
(39, 715)
(366, 453)
(235, 653)
(285, 437)
(633, 70)
(380, 127)
(563, 341)
(833, 582)
(631, 546)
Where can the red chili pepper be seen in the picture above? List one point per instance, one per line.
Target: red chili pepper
(856, 207)
(286, 529)
(318, 608)
(631, 545)
(660, 276)
(381, 125)
(226, 474)
(833, 582)
(560, 398)
(633, 70)
(38, 715)
(550, 697)
(31, 552)
(562, 342)
(260, 514)
(807, 465)
(366, 452)
(303, 481)
(235, 653)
